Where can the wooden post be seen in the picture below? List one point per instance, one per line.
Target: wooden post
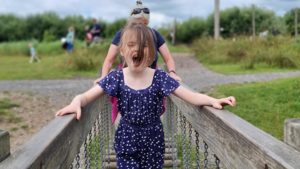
(174, 32)
(253, 21)
(296, 23)
(4, 145)
(292, 133)
(217, 19)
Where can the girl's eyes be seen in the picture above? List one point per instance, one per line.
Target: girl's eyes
(134, 44)
(130, 44)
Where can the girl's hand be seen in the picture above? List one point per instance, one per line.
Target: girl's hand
(70, 109)
(219, 103)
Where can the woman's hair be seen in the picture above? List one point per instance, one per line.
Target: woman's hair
(139, 6)
(144, 38)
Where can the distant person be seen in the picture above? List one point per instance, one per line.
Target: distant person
(96, 30)
(33, 54)
(68, 41)
(88, 36)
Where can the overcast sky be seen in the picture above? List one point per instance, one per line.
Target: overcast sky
(162, 11)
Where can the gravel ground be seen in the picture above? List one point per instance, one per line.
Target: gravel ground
(196, 76)
(39, 99)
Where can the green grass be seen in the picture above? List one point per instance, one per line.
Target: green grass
(238, 69)
(179, 48)
(266, 104)
(50, 67)
(5, 113)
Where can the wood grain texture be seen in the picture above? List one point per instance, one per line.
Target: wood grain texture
(4, 145)
(237, 143)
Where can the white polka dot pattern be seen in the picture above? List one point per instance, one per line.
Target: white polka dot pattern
(139, 140)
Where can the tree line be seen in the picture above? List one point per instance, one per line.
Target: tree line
(234, 21)
(49, 26)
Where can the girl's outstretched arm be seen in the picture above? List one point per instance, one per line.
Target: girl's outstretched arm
(203, 100)
(80, 101)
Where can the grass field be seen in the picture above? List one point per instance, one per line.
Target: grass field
(50, 67)
(5, 112)
(267, 104)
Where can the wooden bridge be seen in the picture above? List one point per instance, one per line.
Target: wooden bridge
(196, 137)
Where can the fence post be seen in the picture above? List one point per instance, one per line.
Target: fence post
(4, 145)
(292, 133)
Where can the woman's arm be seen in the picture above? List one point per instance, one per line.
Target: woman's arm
(168, 59)
(80, 101)
(203, 100)
(108, 61)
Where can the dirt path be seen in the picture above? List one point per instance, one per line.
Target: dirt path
(39, 99)
(196, 76)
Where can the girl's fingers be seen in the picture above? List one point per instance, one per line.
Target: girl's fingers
(218, 106)
(78, 113)
(69, 110)
(232, 100)
(228, 100)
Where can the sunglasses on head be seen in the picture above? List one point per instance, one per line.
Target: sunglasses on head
(139, 10)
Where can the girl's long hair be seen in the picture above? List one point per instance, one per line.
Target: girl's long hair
(144, 37)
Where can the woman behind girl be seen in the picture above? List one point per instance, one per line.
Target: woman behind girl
(139, 139)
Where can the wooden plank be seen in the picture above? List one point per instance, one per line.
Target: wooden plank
(237, 143)
(4, 145)
(55, 145)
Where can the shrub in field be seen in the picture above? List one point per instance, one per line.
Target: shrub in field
(14, 49)
(84, 59)
(236, 52)
(284, 60)
(275, 52)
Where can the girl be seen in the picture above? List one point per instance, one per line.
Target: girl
(139, 139)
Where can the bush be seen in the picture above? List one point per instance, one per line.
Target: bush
(85, 59)
(275, 52)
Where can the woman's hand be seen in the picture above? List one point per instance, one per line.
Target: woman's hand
(175, 76)
(219, 103)
(98, 80)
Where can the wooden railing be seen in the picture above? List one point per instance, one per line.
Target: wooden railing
(237, 143)
(55, 145)
(234, 142)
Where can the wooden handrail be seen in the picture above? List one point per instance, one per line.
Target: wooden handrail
(55, 145)
(237, 143)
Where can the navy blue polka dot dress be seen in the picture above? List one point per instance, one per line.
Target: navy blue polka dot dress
(139, 139)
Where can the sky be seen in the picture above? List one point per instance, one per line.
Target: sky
(162, 11)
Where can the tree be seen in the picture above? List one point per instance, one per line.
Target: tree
(191, 29)
(238, 21)
(290, 21)
(112, 28)
(11, 28)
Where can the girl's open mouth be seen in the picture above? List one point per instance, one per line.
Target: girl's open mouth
(136, 60)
